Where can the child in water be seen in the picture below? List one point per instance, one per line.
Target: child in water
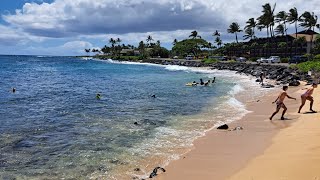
(98, 96)
(280, 104)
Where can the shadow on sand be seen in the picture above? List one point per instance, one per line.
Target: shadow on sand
(310, 112)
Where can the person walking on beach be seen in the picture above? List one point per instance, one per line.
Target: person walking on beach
(280, 104)
(261, 78)
(307, 96)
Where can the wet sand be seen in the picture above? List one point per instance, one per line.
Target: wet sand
(220, 153)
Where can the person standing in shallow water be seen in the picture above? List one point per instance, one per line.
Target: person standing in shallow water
(307, 96)
(280, 104)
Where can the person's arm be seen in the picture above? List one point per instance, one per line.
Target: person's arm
(291, 97)
(276, 100)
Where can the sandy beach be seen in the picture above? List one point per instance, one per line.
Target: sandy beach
(293, 154)
(264, 149)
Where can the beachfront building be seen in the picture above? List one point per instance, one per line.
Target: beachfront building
(283, 46)
(129, 52)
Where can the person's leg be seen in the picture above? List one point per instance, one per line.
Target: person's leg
(277, 110)
(310, 98)
(284, 111)
(303, 101)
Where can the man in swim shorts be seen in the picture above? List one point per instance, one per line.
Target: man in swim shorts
(280, 104)
(307, 96)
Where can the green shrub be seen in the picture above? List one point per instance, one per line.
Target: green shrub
(309, 56)
(232, 61)
(316, 57)
(293, 66)
(284, 60)
(209, 61)
(309, 66)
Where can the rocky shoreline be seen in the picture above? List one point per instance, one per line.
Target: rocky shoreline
(280, 74)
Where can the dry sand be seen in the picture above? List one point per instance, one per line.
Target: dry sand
(221, 154)
(294, 153)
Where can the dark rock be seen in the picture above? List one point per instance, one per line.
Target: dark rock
(136, 123)
(294, 83)
(267, 86)
(225, 126)
(155, 170)
(137, 169)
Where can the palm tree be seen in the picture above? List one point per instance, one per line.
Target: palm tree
(309, 21)
(149, 39)
(87, 51)
(251, 24)
(234, 28)
(216, 33)
(266, 20)
(194, 35)
(248, 34)
(112, 41)
(280, 29)
(141, 48)
(282, 18)
(293, 17)
(118, 40)
(218, 41)
(175, 42)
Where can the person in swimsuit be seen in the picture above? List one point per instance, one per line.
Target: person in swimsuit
(307, 96)
(280, 104)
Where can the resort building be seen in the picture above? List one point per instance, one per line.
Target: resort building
(283, 46)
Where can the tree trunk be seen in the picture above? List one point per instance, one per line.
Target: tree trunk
(236, 37)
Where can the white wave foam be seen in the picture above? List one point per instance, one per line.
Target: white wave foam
(233, 102)
(236, 89)
(177, 68)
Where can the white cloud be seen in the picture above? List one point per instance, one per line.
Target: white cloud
(11, 36)
(133, 20)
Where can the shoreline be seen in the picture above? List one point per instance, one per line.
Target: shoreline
(225, 154)
(220, 153)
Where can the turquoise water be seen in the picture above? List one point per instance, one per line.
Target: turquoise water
(53, 126)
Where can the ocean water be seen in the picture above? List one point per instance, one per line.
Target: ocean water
(53, 127)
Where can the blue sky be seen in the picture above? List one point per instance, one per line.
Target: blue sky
(67, 27)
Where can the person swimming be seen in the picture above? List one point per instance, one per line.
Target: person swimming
(207, 83)
(201, 82)
(153, 96)
(214, 79)
(13, 90)
(98, 96)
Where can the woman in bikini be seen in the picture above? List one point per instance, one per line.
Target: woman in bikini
(280, 104)
(307, 96)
